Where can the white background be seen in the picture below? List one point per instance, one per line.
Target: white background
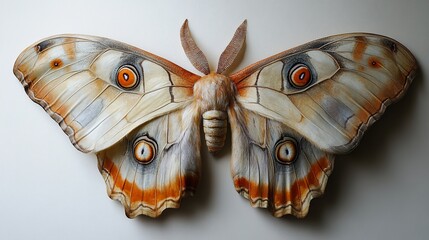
(49, 190)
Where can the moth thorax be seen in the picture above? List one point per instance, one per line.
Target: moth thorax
(215, 122)
(213, 91)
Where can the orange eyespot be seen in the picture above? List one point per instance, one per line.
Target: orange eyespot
(374, 62)
(286, 150)
(127, 77)
(56, 63)
(300, 75)
(144, 150)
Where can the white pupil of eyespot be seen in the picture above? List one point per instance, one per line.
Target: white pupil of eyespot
(143, 150)
(126, 76)
(301, 76)
(286, 152)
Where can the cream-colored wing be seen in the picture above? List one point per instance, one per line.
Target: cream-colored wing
(329, 90)
(155, 165)
(275, 167)
(99, 90)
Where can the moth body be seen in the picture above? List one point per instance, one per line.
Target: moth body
(212, 94)
(215, 123)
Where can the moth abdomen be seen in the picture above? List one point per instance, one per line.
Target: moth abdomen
(215, 123)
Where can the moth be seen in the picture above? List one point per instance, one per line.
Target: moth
(143, 116)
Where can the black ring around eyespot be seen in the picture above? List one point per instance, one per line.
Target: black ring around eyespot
(293, 62)
(127, 77)
(286, 150)
(145, 150)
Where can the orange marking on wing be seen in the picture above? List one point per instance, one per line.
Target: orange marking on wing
(298, 191)
(258, 191)
(363, 115)
(255, 191)
(151, 197)
(188, 91)
(312, 179)
(63, 109)
(241, 183)
(127, 77)
(186, 76)
(324, 163)
(56, 63)
(244, 92)
(288, 195)
(359, 48)
(374, 62)
(69, 47)
(250, 81)
(137, 195)
(300, 75)
(127, 188)
(299, 188)
(240, 85)
(36, 88)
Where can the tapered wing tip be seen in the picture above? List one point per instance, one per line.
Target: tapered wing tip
(16, 66)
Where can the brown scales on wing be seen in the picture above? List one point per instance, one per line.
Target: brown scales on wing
(70, 48)
(151, 201)
(359, 48)
(312, 181)
(295, 196)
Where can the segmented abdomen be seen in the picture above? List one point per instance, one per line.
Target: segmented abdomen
(215, 123)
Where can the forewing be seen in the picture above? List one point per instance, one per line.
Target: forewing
(75, 79)
(354, 77)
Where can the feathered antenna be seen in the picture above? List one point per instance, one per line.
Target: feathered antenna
(194, 54)
(231, 51)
